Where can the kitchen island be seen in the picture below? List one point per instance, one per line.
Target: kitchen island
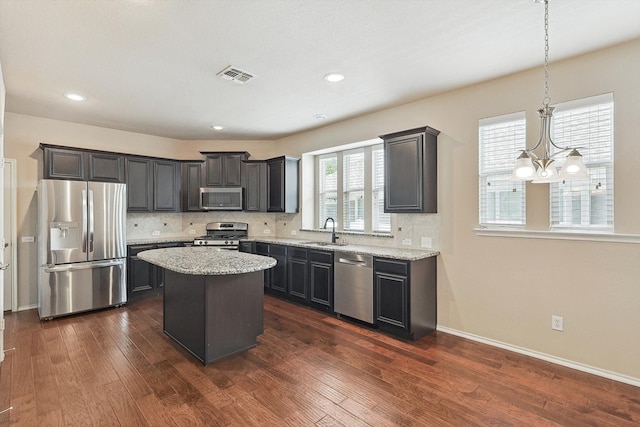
(213, 299)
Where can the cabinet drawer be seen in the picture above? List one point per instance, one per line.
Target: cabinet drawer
(277, 250)
(135, 250)
(321, 256)
(262, 248)
(167, 245)
(297, 253)
(391, 266)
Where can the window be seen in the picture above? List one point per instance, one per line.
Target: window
(359, 173)
(502, 201)
(585, 204)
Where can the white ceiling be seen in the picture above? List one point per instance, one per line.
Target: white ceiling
(150, 66)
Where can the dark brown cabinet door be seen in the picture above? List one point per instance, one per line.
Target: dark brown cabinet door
(321, 279)
(140, 273)
(166, 180)
(255, 186)
(64, 164)
(190, 184)
(298, 275)
(278, 279)
(224, 169)
(282, 184)
(106, 167)
(139, 184)
(392, 299)
(410, 177)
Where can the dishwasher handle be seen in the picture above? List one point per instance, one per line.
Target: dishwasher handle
(354, 259)
(352, 262)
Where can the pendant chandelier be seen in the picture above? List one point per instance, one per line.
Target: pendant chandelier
(540, 168)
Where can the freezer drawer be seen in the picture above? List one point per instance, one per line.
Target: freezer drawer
(73, 288)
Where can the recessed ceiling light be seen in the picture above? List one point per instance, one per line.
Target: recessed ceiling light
(75, 97)
(334, 77)
(216, 127)
(320, 117)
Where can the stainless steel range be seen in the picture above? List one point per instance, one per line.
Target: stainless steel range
(224, 235)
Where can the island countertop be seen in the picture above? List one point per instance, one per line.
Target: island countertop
(206, 261)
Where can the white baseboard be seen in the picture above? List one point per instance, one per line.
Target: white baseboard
(27, 307)
(553, 359)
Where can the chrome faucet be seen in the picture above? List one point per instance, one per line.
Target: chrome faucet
(334, 238)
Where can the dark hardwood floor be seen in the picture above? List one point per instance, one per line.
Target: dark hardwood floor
(116, 367)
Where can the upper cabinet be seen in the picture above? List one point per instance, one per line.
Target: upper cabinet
(255, 185)
(106, 167)
(282, 184)
(78, 164)
(190, 184)
(223, 169)
(411, 171)
(152, 184)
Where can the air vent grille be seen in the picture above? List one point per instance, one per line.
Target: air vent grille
(235, 75)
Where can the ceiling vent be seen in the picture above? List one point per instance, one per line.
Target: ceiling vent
(235, 74)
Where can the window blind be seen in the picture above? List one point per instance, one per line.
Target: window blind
(327, 188)
(585, 204)
(381, 221)
(353, 194)
(502, 201)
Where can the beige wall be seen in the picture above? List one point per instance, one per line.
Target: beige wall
(506, 289)
(503, 289)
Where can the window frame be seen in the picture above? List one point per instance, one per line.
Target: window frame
(368, 223)
(516, 124)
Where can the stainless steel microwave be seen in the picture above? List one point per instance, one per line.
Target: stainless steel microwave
(221, 198)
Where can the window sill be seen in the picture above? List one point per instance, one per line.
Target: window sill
(558, 235)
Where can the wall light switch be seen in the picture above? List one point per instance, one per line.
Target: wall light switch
(155, 233)
(266, 231)
(192, 231)
(426, 242)
(406, 242)
(294, 232)
(28, 239)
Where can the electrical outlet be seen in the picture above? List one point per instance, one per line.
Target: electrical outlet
(406, 242)
(266, 231)
(28, 239)
(294, 232)
(155, 233)
(192, 231)
(426, 242)
(557, 323)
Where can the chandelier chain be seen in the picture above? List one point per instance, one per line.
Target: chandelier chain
(546, 99)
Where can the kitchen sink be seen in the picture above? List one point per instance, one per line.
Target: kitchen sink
(327, 244)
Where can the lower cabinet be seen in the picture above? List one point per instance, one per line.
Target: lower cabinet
(321, 280)
(144, 279)
(405, 296)
(298, 275)
(278, 279)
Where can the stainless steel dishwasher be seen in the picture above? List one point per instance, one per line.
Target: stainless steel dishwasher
(353, 285)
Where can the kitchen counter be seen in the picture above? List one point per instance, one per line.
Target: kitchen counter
(163, 239)
(206, 261)
(378, 251)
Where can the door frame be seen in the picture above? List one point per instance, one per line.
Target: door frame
(12, 209)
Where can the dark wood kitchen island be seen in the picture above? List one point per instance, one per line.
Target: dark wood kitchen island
(213, 299)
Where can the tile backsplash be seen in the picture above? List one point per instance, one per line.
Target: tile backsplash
(407, 230)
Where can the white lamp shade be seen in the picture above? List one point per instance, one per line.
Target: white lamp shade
(524, 169)
(548, 174)
(574, 167)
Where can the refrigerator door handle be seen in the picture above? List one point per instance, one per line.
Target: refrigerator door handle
(81, 266)
(90, 215)
(84, 220)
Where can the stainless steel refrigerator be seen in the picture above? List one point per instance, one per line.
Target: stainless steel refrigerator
(81, 246)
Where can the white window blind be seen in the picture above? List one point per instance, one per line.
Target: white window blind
(353, 194)
(381, 220)
(327, 188)
(585, 204)
(502, 201)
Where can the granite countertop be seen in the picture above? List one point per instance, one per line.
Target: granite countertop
(379, 251)
(204, 261)
(163, 239)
